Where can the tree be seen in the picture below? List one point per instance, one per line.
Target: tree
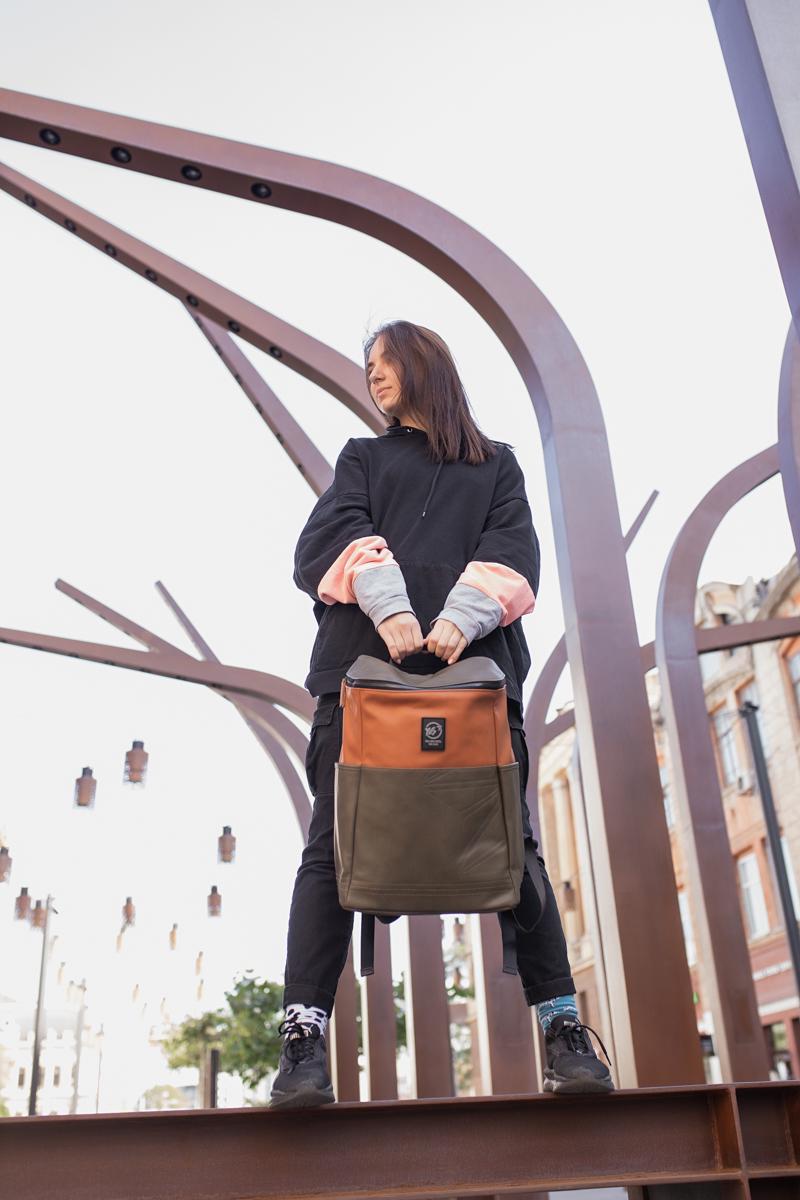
(251, 1046)
(245, 1032)
(163, 1095)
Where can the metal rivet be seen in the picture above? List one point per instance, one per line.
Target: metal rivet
(71, 226)
(275, 352)
(262, 190)
(30, 200)
(120, 154)
(50, 136)
(193, 173)
(151, 275)
(109, 249)
(234, 326)
(190, 299)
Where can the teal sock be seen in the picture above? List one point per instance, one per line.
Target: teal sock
(561, 1006)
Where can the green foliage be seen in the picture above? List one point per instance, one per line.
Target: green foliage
(188, 1042)
(252, 1045)
(4, 1109)
(399, 990)
(163, 1095)
(245, 1032)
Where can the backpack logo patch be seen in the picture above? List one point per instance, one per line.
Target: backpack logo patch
(433, 732)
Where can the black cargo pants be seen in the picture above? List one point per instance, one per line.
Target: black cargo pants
(320, 929)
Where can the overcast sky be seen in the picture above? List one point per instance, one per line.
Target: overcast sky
(597, 143)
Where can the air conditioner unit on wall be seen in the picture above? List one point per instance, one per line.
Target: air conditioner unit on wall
(744, 782)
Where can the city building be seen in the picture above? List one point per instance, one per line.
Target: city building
(768, 674)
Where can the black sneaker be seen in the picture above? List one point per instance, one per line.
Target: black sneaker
(572, 1065)
(302, 1080)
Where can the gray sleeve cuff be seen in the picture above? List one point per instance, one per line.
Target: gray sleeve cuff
(472, 611)
(381, 592)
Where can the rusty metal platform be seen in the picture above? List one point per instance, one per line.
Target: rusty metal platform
(725, 1142)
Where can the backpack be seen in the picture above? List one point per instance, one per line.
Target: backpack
(427, 800)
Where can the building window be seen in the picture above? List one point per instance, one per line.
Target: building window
(56, 1076)
(778, 1048)
(688, 932)
(724, 720)
(666, 789)
(755, 907)
(793, 663)
(787, 862)
(21, 1078)
(750, 692)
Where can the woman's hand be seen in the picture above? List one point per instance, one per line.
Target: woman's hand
(402, 634)
(446, 640)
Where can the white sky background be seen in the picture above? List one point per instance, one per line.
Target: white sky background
(596, 143)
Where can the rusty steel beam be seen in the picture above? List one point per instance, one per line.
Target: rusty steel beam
(378, 1021)
(760, 42)
(505, 1024)
(724, 958)
(652, 1010)
(427, 1010)
(789, 431)
(173, 665)
(293, 348)
(724, 637)
(309, 460)
(537, 730)
(418, 1149)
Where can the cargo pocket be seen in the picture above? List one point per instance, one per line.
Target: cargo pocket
(428, 841)
(325, 716)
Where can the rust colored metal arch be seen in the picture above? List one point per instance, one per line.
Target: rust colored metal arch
(654, 1021)
(724, 953)
(789, 431)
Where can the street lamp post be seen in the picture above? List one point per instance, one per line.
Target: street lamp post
(73, 1108)
(37, 1033)
(748, 711)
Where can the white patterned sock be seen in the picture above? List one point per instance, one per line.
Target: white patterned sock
(307, 1015)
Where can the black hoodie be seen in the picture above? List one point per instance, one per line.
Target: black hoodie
(395, 532)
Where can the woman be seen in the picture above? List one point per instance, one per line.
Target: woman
(408, 579)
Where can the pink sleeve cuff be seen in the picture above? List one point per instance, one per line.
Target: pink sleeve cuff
(361, 555)
(510, 589)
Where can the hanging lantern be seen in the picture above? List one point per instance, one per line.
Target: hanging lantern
(198, 963)
(200, 990)
(22, 906)
(60, 976)
(135, 764)
(173, 937)
(119, 942)
(128, 913)
(214, 902)
(38, 915)
(5, 864)
(162, 1008)
(85, 786)
(226, 844)
(135, 992)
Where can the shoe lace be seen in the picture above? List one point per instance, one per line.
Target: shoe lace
(574, 1034)
(301, 1040)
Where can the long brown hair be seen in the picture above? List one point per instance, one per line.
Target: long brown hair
(431, 390)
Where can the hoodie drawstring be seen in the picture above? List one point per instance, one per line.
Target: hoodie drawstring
(433, 485)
